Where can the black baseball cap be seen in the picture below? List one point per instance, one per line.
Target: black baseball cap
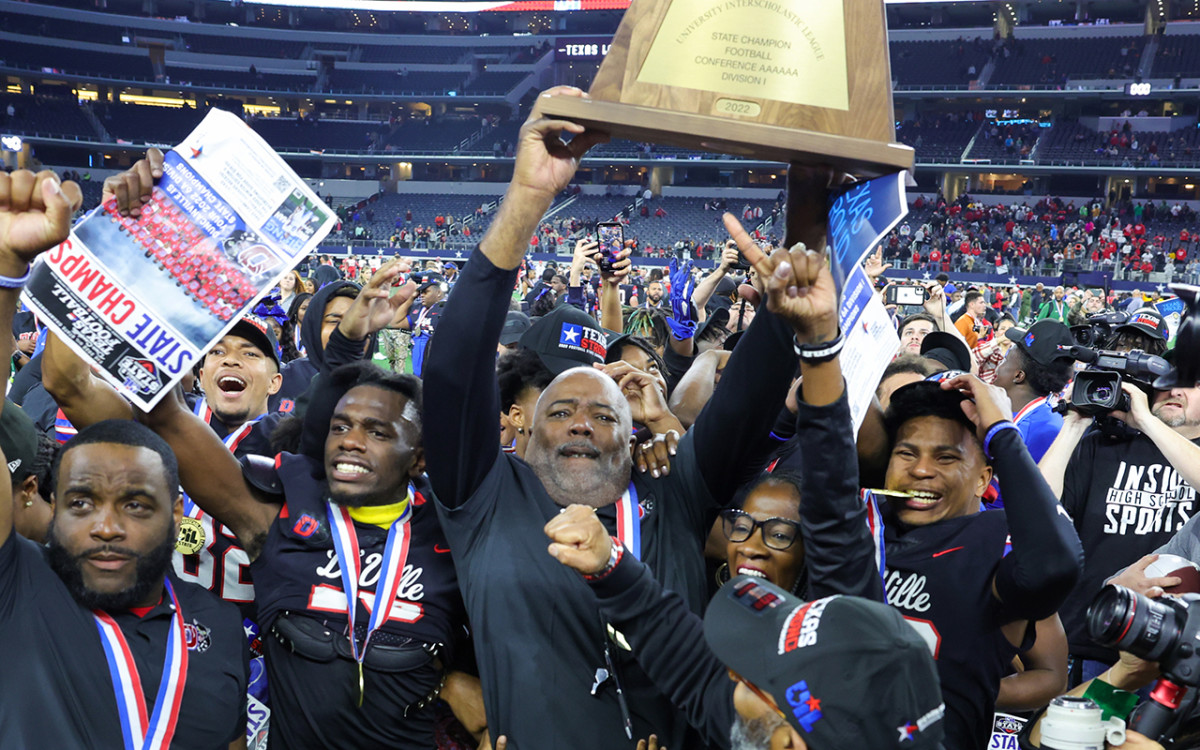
(845, 671)
(255, 330)
(1042, 340)
(948, 349)
(515, 324)
(18, 440)
(430, 280)
(718, 318)
(566, 337)
(1148, 321)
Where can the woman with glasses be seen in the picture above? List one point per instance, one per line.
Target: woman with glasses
(762, 533)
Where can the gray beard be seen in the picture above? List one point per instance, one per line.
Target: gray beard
(602, 492)
(753, 735)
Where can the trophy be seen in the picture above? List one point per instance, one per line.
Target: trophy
(798, 81)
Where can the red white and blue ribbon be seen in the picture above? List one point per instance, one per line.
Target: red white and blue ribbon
(139, 730)
(875, 526)
(629, 522)
(395, 554)
(1028, 408)
(232, 440)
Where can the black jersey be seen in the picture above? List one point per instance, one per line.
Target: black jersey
(940, 578)
(218, 562)
(302, 610)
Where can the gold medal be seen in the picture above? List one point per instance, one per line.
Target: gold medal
(191, 536)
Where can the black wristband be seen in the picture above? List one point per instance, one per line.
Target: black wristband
(823, 352)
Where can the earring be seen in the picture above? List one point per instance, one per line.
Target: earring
(520, 430)
(723, 574)
(28, 503)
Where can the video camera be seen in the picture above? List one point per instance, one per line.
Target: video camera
(1186, 370)
(1097, 389)
(1163, 630)
(1098, 330)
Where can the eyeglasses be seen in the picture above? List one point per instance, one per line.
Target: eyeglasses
(777, 533)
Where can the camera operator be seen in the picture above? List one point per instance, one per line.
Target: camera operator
(1126, 496)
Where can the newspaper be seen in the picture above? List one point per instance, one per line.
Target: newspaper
(142, 298)
(870, 342)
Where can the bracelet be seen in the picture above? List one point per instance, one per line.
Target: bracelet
(818, 353)
(991, 433)
(8, 282)
(614, 557)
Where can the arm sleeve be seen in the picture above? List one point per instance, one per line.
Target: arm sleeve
(842, 537)
(462, 399)
(1185, 543)
(668, 642)
(733, 430)
(1046, 560)
(341, 350)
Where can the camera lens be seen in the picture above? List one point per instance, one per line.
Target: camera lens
(1122, 619)
(1101, 394)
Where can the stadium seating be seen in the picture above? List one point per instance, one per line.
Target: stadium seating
(44, 115)
(237, 45)
(393, 82)
(1177, 56)
(119, 64)
(937, 63)
(242, 79)
(1054, 61)
(1005, 144)
(427, 54)
(937, 139)
(138, 123)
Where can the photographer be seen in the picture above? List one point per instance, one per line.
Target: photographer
(1126, 497)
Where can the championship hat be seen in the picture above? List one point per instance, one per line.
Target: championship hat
(255, 330)
(566, 337)
(1149, 321)
(845, 672)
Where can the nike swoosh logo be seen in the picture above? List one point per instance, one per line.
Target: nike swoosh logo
(939, 554)
(443, 550)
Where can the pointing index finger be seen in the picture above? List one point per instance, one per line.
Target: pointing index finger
(746, 245)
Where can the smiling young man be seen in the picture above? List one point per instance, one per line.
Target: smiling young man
(93, 629)
(355, 487)
(972, 583)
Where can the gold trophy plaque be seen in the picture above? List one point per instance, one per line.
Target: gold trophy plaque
(802, 81)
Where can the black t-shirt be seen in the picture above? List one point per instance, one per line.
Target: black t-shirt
(940, 578)
(1126, 501)
(313, 702)
(55, 682)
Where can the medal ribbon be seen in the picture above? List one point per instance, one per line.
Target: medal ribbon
(1028, 408)
(629, 522)
(391, 569)
(138, 731)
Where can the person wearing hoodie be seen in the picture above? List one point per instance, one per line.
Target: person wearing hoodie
(325, 348)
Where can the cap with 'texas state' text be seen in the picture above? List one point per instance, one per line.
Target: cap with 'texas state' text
(566, 337)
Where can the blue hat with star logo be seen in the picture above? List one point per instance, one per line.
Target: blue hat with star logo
(844, 671)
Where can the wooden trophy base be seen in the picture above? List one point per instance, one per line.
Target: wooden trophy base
(863, 158)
